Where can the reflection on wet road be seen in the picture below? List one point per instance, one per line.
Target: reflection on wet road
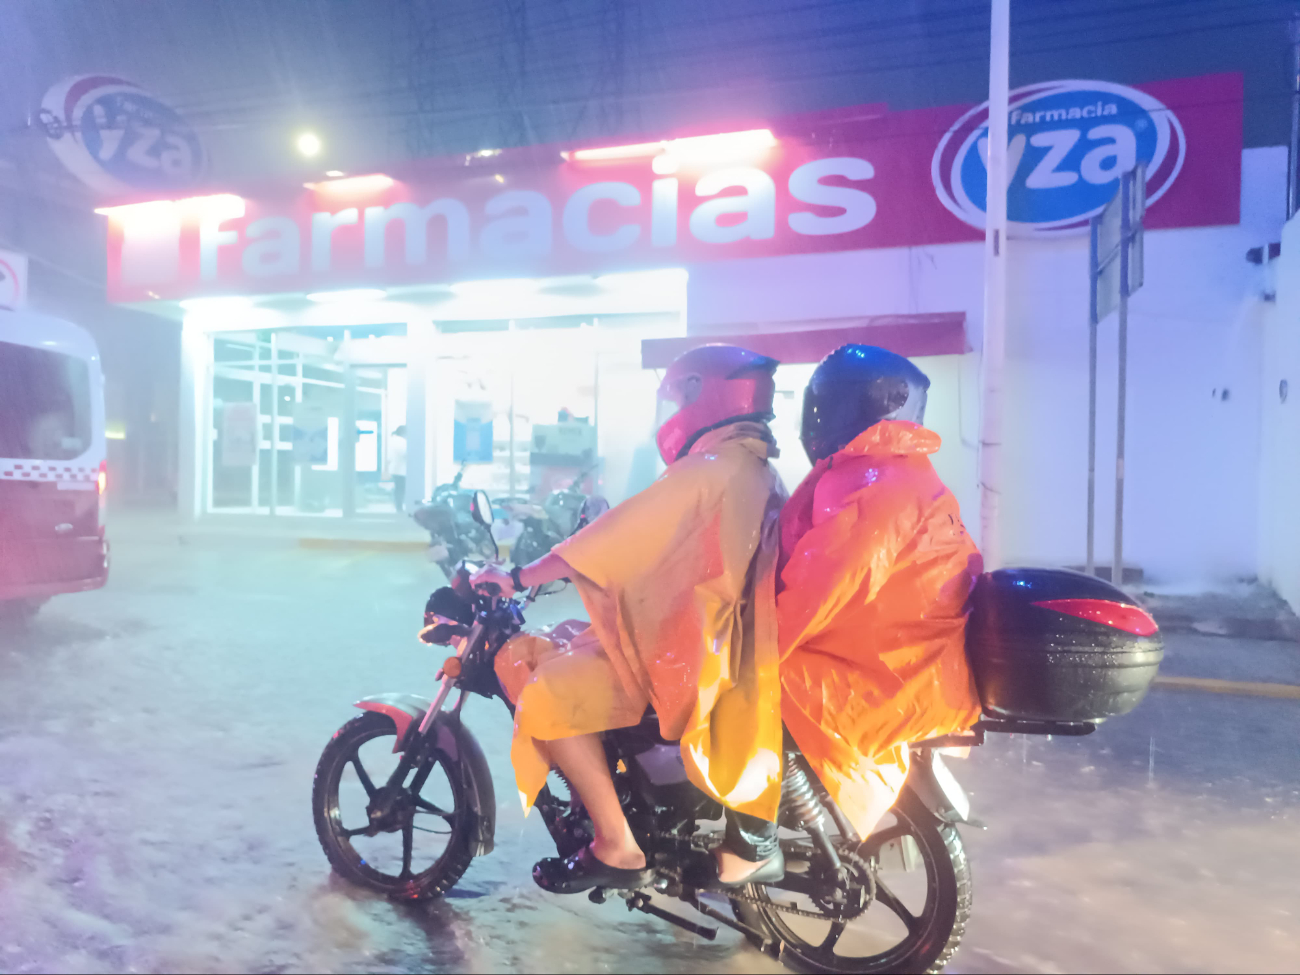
(157, 742)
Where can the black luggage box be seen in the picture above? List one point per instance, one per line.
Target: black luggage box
(1049, 645)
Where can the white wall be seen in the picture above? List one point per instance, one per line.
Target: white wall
(1279, 513)
(1193, 457)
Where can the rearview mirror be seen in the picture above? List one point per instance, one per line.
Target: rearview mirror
(481, 509)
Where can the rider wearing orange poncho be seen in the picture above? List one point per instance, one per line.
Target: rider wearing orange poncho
(874, 576)
(679, 582)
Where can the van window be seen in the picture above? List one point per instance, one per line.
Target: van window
(44, 404)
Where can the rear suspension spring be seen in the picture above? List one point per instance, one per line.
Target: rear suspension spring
(799, 802)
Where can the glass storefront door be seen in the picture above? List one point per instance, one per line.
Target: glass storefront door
(380, 452)
(555, 398)
(281, 406)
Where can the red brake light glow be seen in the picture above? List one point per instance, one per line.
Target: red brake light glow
(102, 480)
(1130, 619)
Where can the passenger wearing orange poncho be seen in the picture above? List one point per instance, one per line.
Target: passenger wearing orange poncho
(679, 582)
(875, 572)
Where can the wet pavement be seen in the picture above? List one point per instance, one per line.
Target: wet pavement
(158, 738)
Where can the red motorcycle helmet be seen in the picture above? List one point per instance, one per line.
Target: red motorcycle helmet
(709, 387)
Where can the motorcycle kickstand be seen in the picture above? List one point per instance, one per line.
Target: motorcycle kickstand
(637, 901)
(766, 944)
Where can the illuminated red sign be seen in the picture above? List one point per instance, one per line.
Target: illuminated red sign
(805, 186)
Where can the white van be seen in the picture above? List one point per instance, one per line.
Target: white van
(53, 469)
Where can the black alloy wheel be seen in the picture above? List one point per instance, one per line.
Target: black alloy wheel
(909, 915)
(410, 840)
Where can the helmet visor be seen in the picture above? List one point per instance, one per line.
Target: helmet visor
(666, 408)
(913, 410)
(673, 396)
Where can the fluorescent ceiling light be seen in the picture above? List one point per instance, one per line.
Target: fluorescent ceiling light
(696, 148)
(350, 294)
(370, 183)
(334, 173)
(224, 205)
(218, 303)
(501, 288)
(660, 277)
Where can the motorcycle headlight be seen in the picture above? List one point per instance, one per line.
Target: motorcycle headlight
(441, 634)
(446, 605)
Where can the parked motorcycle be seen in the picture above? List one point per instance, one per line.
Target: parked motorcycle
(1053, 653)
(545, 525)
(454, 535)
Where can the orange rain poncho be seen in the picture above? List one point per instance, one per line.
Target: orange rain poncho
(876, 567)
(679, 582)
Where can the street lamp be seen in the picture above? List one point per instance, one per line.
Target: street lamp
(309, 144)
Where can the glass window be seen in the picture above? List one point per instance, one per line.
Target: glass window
(44, 404)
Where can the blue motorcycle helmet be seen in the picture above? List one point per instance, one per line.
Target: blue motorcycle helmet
(853, 388)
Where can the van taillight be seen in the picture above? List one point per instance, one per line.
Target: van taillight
(1130, 619)
(102, 481)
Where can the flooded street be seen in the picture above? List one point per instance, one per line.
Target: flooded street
(158, 739)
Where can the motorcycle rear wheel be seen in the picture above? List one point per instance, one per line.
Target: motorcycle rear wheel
(373, 864)
(932, 934)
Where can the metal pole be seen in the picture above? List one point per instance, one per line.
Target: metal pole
(1126, 198)
(255, 472)
(1293, 154)
(275, 421)
(297, 401)
(995, 288)
(511, 424)
(1091, 566)
(348, 437)
(595, 402)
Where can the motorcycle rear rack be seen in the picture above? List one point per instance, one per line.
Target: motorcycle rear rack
(1008, 726)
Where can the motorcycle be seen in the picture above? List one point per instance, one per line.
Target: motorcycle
(897, 900)
(545, 525)
(454, 535)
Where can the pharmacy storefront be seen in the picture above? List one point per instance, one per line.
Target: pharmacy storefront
(502, 316)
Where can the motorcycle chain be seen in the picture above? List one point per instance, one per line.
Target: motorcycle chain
(858, 862)
(773, 905)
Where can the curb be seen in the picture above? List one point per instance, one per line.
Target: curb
(1214, 685)
(364, 544)
(1281, 630)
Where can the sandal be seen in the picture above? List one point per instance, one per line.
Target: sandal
(585, 870)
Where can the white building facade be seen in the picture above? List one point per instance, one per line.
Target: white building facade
(493, 306)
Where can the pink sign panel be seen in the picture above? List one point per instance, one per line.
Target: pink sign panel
(846, 180)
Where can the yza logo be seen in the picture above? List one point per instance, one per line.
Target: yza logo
(117, 138)
(1068, 144)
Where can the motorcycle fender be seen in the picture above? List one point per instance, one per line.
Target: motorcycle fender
(459, 744)
(406, 712)
(935, 785)
(403, 709)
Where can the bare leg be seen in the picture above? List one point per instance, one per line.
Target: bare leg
(582, 760)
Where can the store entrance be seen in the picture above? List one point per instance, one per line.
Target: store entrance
(528, 406)
(281, 402)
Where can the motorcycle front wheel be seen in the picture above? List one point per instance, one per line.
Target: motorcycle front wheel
(904, 908)
(408, 840)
